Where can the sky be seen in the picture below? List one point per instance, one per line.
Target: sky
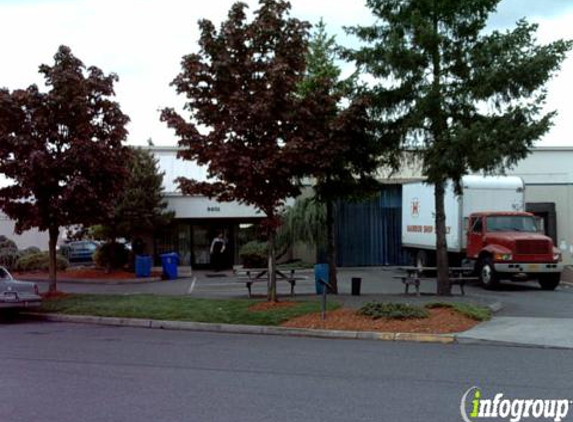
(143, 42)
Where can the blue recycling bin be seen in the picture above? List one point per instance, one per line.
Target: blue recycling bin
(169, 262)
(143, 265)
(320, 273)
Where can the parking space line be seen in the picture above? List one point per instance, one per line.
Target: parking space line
(192, 286)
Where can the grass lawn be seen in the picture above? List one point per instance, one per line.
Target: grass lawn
(475, 312)
(175, 308)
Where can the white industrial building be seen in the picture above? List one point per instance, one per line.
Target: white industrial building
(547, 173)
(548, 176)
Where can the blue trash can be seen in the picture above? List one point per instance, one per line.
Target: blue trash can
(169, 262)
(320, 273)
(143, 266)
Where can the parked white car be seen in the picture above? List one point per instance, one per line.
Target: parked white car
(16, 294)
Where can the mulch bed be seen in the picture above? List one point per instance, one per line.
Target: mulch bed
(440, 321)
(82, 274)
(266, 306)
(54, 295)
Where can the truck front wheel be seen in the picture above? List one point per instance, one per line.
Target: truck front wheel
(487, 274)
(549, 281)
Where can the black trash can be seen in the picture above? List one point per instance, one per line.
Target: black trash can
(356, 283)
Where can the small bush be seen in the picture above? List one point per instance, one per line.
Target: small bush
(40, 262)
(30, 251)
(377, 310)
(254, 254)
(475, 312)
(111, 255)
(6, 243)
(9, 253)
(9, 257)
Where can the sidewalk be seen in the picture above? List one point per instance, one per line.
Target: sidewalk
(523, 331)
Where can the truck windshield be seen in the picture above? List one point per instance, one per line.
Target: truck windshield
(511, 223)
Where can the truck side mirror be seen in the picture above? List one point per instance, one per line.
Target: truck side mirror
(540, 224)
(466, 223)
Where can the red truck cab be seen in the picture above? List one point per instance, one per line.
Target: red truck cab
(509, 245)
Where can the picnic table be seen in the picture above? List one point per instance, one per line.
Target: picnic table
(249, 276)
(412, 276)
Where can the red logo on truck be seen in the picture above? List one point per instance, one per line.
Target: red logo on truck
(415, 207)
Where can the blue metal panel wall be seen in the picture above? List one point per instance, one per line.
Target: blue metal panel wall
(368, 232)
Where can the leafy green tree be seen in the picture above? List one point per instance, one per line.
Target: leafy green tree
(468, 100)
(304, 221)
(349, 149)
(62, 149)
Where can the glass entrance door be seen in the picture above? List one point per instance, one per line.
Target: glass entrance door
(201, 246)
(203, 235)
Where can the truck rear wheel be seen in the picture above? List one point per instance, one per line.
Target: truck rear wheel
(549, 281)
(487, 274)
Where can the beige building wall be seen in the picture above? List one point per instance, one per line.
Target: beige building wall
(548, 176)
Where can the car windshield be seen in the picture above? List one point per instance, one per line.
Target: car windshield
(511, 223)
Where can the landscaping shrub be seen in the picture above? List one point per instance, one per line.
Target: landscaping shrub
(111, 255)
(254, 254)
(40, 262)
(376, 310)
(9, 257)
(6, 243)
(30, 251)
(9, 253)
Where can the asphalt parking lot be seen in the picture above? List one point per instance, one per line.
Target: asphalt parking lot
(518, 299)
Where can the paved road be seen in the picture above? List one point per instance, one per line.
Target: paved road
(54, 372)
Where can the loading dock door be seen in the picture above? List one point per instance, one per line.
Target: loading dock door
(545, 211)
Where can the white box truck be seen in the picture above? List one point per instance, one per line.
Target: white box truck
(486, 228)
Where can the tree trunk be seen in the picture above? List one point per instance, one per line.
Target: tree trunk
(444, 288)
(53, 233)
(112, 251)
(272, 280)
(331, 247)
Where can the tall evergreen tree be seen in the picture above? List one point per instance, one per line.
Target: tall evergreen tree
(467, 100)
(141, 208)
(349, 149)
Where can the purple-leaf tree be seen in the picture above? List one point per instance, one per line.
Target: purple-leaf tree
(248, 124)
(62, 149)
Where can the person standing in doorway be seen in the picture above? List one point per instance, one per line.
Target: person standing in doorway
(217, 250)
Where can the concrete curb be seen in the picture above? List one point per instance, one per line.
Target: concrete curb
(247, 329)
(110, 282)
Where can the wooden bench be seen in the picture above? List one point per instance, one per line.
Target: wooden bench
(414, 276)
(255, 275)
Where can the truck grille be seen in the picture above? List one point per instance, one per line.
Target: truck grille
(533, 247)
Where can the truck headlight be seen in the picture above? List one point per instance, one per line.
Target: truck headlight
(557, 256)
(503, 257)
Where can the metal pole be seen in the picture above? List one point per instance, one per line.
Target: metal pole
(323, 299)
